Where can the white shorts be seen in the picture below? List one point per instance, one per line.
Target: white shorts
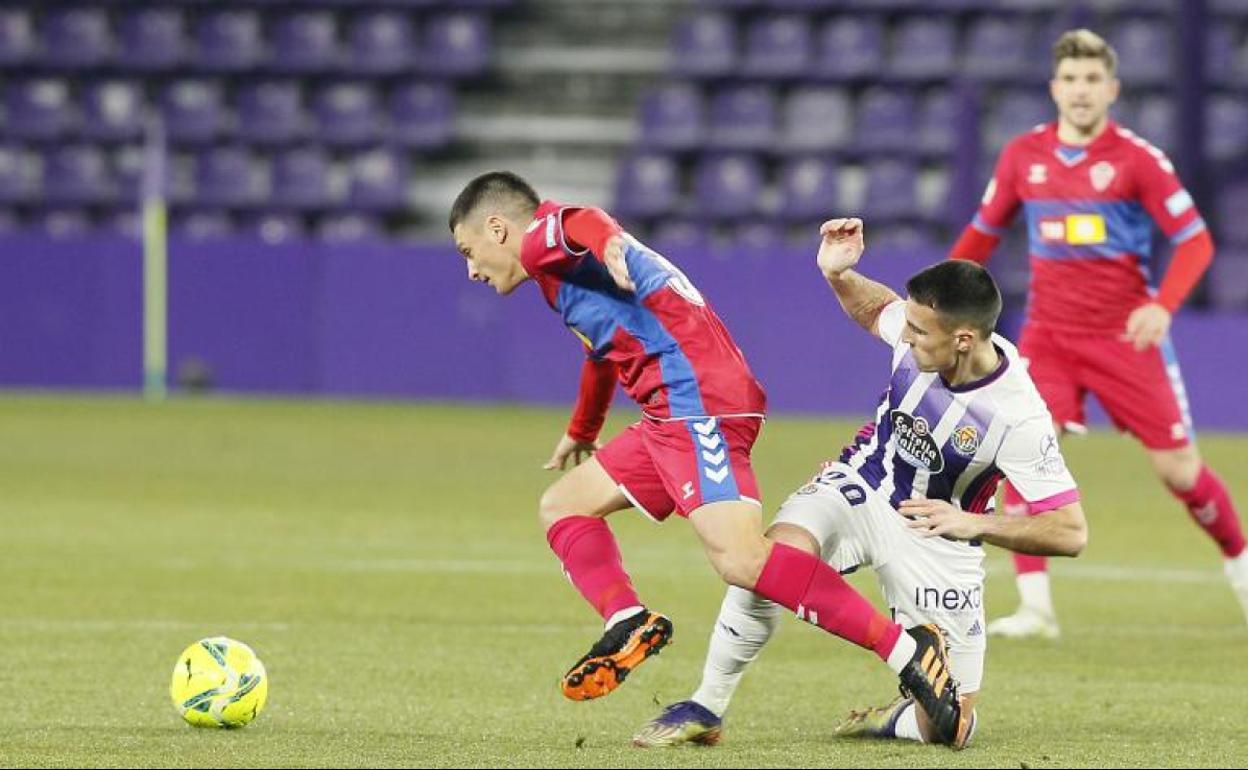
(925, 580)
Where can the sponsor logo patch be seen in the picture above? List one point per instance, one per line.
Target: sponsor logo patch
(1102, 174)
(965, 440)
(1038, 173)
(914, 442)
(1178, 202)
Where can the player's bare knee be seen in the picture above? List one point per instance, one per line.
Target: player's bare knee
(794, 536)
(741, 566)
(553, 506)
(1178, 469)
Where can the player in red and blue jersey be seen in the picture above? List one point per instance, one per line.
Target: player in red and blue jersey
(1091, 191)
(645, 325)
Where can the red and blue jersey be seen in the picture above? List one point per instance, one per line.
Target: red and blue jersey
(1090, 211)
(672, 352)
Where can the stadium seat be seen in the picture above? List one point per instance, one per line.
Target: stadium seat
(270, 111)
(274, 226)
(76, 37)
(194, 111)
(759, 235)
(728, 187)
(1220, 54)
(939, 122)
(37, 109)
(347, 113)
(202, 225)
(679, 235)
(1232, 224)
(229, 41)
(777, 47)
(704, 45)
(816, 118)
(647, 185)
(850, 46)
(456, 44)
(128, 169)
(923, 47)
(349, 227)
(301, 178)
(1144, 49)
(229, 177)
(996, 48)
(886, 119)
(1012, 114)
(380, 43)
(152, 39)
(1228, 281)
(378, 181)
(809, 189)
(61, 223)
(1156, 121)
(422, 115)
(17, 37)
(19, 178)
(891, 190)
(76, 174)
(743, 118)
(672, 117)
(112, 110)
(304, 42)
(1226, 127)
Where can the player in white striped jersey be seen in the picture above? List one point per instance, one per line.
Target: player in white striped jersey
(912, 495)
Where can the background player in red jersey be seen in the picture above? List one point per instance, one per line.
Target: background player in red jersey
(1091, 190)
(645, 324)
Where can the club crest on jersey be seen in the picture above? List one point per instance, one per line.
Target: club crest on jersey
(966, 440)
(1102, 174)
(1037, 174)
(914, 442)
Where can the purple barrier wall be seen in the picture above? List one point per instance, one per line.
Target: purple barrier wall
(402, 321)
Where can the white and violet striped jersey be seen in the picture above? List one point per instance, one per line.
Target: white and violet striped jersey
(955, 443)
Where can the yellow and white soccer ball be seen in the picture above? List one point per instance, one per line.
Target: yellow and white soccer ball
(219, 682)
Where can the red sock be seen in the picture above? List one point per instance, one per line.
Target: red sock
(1014, 505)
(1210, 506)
(591, 560)
(818, 594)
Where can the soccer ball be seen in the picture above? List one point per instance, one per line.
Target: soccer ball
(218, 682)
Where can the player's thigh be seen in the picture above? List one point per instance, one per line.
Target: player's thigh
(704, 461)
(627, 460)
(586, 490)
(731, 532)
(828, 509)
(1142, 391)
(1055, 372)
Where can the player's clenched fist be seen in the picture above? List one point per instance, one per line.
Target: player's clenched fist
(841, 246)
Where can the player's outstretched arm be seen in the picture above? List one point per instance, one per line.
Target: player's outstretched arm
(1060, 532)
(839, 251)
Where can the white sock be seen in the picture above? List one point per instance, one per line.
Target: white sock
(907, 727)
(746, 621)
(1237, 569)
(902, 652)
(1033, 590)
(623, 614)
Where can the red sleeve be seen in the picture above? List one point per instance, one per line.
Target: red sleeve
(597, 386)
(1191, 259)
(590, 228)
(1001, 200)
(1162, 195)
(974, 246)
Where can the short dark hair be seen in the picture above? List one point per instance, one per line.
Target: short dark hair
(502, 191)
(961, 292)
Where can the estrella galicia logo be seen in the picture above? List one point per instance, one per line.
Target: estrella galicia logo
(914, 442)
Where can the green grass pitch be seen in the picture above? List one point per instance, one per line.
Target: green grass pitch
(386, 563)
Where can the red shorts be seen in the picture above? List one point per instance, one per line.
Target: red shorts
(1142, 392)
(682, 465)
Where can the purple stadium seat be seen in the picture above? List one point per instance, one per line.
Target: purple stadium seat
(850, 46)
(77, 37)
(380, 43)
(456, 44)
(704, 45)
(301, 179)
(1232, 224)
(378, 181)
(1226, 127)
(112, 110)
(777, 46)
(673, 117)
(422, 114)
(728, 186)
(938, 122)
(193, 110)
(17, 37)
(892, 190)
(996, 48)
(923, 47)
(274, 226)
(1228, 281)
(1156, 121)
(679, 235)
(1144, 50)
(229, 41)
(124, 222)
(1014, 113)
(349, 227)
(37, 109)
(347, 113)
(204, 225)
(743, 118)
(809, 189)
(1220, 54)
(128, 167)
(305, 42)
(647, 185)
(228, 176)
(67, 223)
(152, 39)
(760, 235)
(76, 174)
(270, 111)
(886, 119)
(19, 181)
(816, 118)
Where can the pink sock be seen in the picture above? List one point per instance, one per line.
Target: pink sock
(1014, 505)
(591, 560)
(1210, 506)
(818, 594)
